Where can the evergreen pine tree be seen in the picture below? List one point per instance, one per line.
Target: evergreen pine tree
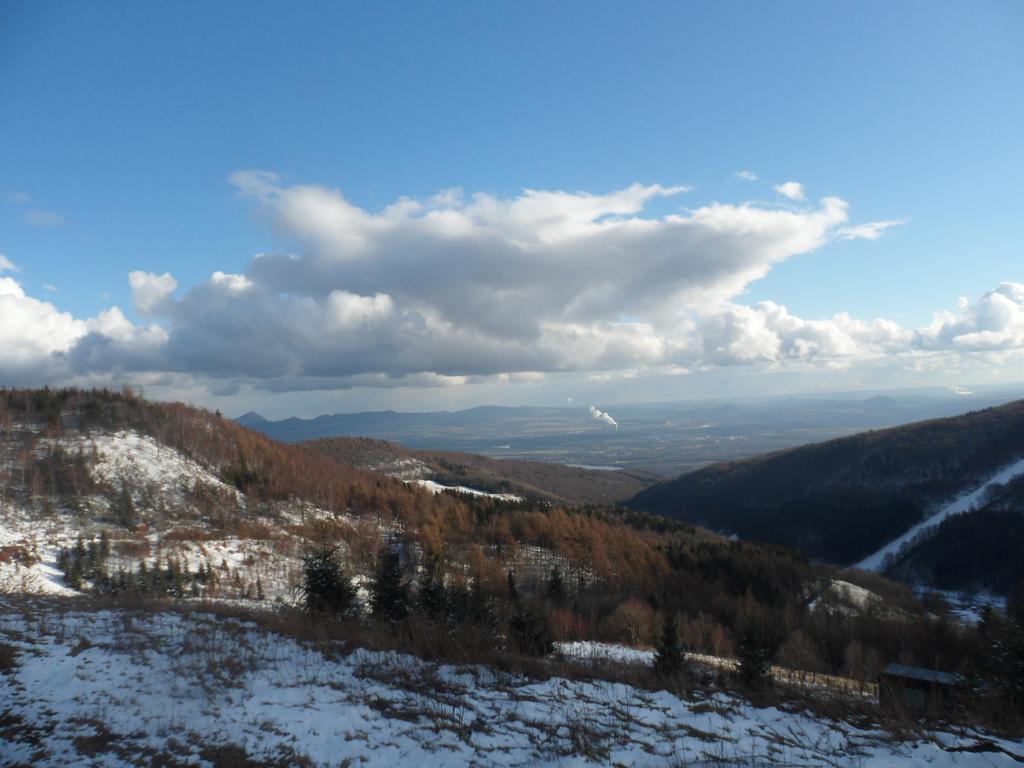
(325, 587)
(513, 591)
(757, 639)
(432, 597)
(457, 605)
(389, 591)
(669, 659)
(556, 587)
(124, 508)
(528, 633)
(481, 610)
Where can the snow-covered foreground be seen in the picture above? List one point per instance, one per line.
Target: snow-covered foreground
(964, 503)
(129, 688)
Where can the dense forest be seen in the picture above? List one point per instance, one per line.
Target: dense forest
(840, 500)
(980, 550)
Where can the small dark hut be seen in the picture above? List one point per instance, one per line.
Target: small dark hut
(918, 688)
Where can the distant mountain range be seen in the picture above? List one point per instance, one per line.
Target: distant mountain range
(665, 438)
(391, 424)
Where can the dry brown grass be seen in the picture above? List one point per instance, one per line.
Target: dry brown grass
(131, 548)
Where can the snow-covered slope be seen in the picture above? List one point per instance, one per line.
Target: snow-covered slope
(964, 503)
(115, 688)
(142, 462)
(435, 487)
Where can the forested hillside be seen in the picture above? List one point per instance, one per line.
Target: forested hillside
(533, 479)
(841, 500)
(980, 550)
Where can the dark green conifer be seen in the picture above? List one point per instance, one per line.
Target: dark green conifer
(389, 590)
(325, 586)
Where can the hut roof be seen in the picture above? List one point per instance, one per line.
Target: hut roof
(933, 676)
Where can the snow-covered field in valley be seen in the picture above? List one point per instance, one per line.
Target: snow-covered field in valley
(121, 688)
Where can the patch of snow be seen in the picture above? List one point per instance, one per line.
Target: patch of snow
(842, 594)
(434, 487)
(404, 469)
(591, 651)
(964, 503)
(967, 607)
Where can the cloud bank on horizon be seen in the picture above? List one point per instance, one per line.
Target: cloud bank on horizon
(461, 288)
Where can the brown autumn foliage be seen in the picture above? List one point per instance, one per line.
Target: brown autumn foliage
(267, 472)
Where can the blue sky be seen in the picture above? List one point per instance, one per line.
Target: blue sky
(122, 123)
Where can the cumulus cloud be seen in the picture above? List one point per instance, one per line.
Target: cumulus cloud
(540, 265)
(768, 332)
(599, 415)
(458, 288)
(41, 344)
(6, 265)
(994, 321)
(791, 189)
(151, 293)
(746, 175)
(33, 332)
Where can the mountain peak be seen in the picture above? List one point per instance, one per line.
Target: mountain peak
(250, 417)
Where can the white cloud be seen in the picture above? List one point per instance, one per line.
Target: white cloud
(994, 321)
(767, 332)
(791, 189)
(151, 293)
(49, 287)
(508, 268)
(345, 310)
(746, 175)
(870, 231)
(6, 265)
(32, 332)
(39, 344)
(232, 283)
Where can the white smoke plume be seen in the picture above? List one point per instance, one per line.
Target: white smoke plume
(600, 415)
